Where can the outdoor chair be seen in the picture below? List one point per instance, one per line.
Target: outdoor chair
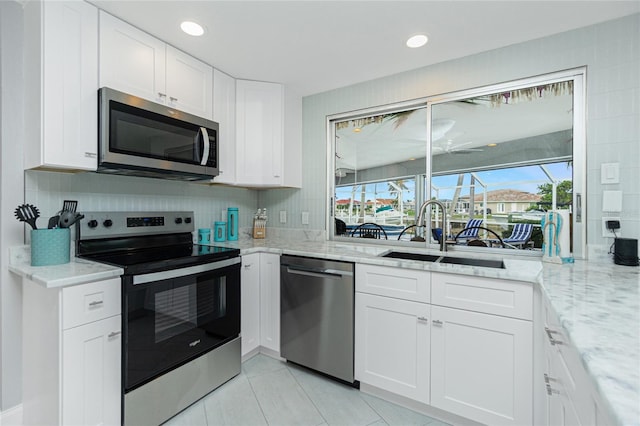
(520, 235)
(369, 230)
(470, 231)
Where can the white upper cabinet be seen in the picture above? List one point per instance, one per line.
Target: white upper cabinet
(137, 63)
(268, 135)
(259, 119)
(61, 84)
(224, 113)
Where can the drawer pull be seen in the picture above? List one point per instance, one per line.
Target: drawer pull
(550, 334)
(423, 319)
(437, 322)
(551, 391)
(162, 95)
(90, 154)
(113, 334)
(172, 99)
(95, 303)
(548, 379)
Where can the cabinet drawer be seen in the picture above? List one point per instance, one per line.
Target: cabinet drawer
(82, 304)
(407, 284)
(568, 369)
(491, 296)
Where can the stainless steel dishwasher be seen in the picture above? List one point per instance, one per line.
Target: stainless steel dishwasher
(317, 315)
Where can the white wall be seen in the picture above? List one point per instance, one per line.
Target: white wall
(611, 52)
(11, 195)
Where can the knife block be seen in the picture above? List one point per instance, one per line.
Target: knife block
(259, 228)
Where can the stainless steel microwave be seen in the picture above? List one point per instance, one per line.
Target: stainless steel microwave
(142, 138)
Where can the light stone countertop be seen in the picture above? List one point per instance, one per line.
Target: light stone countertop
(598, 303)
(78, 271)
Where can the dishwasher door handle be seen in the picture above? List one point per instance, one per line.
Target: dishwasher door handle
(321, 273)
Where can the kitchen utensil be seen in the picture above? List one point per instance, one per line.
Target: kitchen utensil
(69, 205)
(76, 218)
(28, 213)
(66, 217)
(53, 221)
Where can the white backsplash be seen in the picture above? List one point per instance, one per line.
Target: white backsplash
(101, 192)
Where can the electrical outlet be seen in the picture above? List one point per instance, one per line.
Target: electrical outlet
(305, 218)
(609, 232)
(283, 216)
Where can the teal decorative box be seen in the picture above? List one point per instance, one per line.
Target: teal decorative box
(50, 246)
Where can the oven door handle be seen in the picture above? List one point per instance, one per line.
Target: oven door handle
(175, 273)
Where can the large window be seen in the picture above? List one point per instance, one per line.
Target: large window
(501, 155)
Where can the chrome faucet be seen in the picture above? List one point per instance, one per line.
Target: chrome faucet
(420, 220)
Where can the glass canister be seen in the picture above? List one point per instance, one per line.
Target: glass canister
(219, 231)
(232, 223)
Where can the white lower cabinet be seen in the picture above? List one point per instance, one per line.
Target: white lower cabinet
(392, 345)
(270, 302)
(481, 366)
(79, 327)
(571, 396)
(260, 302)
(457, 343)
(250, 303)
(91, 373)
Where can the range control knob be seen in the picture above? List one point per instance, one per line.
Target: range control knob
(187, 220)
(178, 220)
(107, 223)
(92, 223)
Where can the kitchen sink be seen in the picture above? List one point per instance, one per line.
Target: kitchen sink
(485, 263)
(412, 256)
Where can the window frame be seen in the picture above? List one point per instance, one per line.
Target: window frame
(577, 75)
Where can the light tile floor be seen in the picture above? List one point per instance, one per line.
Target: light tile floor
(272, 392)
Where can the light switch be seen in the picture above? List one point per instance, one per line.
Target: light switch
(612, 201)
(305, 218)
(610, 173)
(283, 216)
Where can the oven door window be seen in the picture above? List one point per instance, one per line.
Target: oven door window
(173, 321)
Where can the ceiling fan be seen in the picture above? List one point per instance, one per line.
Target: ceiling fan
(450, 148)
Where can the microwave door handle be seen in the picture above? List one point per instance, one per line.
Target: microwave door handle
(205, 140)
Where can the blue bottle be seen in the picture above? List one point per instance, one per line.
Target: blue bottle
(232, 223)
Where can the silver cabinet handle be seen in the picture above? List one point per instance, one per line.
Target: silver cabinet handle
(90, 154)
(113, 334)
(162, 95)
(547, 380)
(96, 303)
(578, 208)
(437, 322)
(172, 99)
(550, 334)
(423, 319)
(247, 266)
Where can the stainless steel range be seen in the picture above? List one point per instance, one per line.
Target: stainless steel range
(180, 309)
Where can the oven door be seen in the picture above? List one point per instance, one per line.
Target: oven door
(174, 316)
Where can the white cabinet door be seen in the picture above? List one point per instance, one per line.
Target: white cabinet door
(250, 302)
(259, 124)
(91, 373)
(224, 113)
(392, 345)
(131, 60)
(481, 366)
(189, 84)
(61, 57)
(270, 301)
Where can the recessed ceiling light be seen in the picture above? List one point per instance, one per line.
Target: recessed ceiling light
(192, 28)
(492, 144)
(417, 41)
(357, 129)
